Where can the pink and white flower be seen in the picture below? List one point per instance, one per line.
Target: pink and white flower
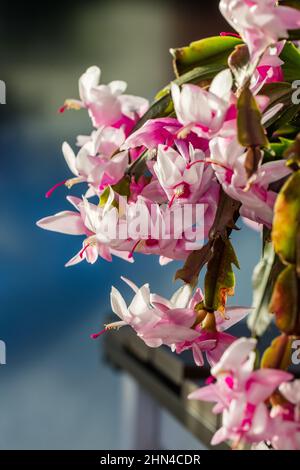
(203, 112)
(164, 131)
(261, 23)
(172, 322)
(187, 177)
(97, 162)
(106, 104)
(240, 394)
(154, 325)
(257, 199)
(91, 221)
(161, 230)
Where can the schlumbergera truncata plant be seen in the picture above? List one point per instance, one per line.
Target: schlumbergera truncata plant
(222, 141)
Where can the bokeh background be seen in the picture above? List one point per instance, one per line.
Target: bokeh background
(56, 392)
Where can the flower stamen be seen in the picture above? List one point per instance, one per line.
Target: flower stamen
(70, 182)
(111, 326)
(70, 104)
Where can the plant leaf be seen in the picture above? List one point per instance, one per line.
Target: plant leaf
(253, 158)
(292, 153)
(280, 93)
(278, 354)
(290, 55)
(138, 167)
(220, 278)
(226, 216)
(189, 273)
(263, 279)
(213, 50)
(277, 92)
(286, 219)
(123, 186)
(250, 130)
(277, 150)
(287, 114)
(284, 302)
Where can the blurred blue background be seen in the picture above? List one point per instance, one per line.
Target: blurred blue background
(55, 391)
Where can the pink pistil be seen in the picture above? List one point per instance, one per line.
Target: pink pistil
(234, 35)
(171, 201)
(96, 335)
(84, 250)
(51, 191)
(130, 255)
(208, 162)
(62, 109)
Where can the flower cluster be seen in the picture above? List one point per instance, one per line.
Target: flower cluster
(261, 23)
(172, 180)
(179, 323)
(240, 393)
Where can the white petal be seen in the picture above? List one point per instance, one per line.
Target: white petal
(70, 158)
(118, 304)
(91, 215)
(75, 260)
(67, 222)
(291, 391)
(87, 81)
(117, 87)
(141, 301)
(233, 315)
(131, 284)
(235, 355)
(222, 84)
(182, 296)
(75, 201)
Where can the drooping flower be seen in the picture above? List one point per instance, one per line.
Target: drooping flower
(90, 221)
(257, 198)
(154, 325)
(261, 23)
(240, 394)
(98, 161)
(106, 104)
(173, 322)
(121, 228)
